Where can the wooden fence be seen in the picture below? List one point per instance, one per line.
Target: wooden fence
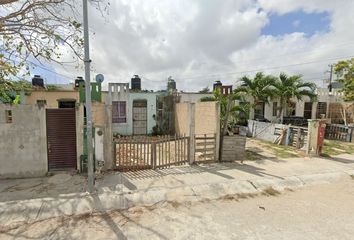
(205, 147)
(136, 152)
(339, 132)
(298, 137)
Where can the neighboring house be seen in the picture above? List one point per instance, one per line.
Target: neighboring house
(133, 113)
(62, 97)
(328, 104)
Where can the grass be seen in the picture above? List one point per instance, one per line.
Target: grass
(281, 151)
(332, 148)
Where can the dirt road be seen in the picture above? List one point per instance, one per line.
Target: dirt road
(317, 212)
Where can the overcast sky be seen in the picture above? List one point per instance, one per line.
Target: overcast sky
(200, 41)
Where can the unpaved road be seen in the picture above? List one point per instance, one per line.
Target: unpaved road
(316, 212)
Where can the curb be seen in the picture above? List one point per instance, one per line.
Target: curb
(13, 212)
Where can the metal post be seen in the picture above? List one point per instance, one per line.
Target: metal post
(87, 62)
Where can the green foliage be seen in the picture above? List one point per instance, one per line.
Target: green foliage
(208, 99)
(235, 111)
(287, 87)
(259, 88)
(345, 73)
(10, 89)
(52, 87)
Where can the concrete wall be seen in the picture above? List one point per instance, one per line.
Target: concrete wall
(51, 97)
(23, 145)
(193, 97)
(206, 118)
(264, 131)
(98, 114)
(182, 118)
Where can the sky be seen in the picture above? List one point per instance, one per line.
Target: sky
(200, 41)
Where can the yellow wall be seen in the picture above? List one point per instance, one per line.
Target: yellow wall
(98, 114)
(51, 97)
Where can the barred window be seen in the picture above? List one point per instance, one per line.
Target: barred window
(119, 112)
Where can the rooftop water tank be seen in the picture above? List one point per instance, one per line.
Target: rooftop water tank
(136, 83)
(37, 81)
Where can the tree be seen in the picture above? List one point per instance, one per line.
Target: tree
(10, 89)
(259, 88)
(345, 73)
(38, 29)
(205, 90)
(285, 88)
(227, 110)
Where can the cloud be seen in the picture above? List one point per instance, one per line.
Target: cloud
(296, 23)
(200, 41)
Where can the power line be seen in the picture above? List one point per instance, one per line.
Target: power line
(268, 68)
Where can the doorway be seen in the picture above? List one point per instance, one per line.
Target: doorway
(139, 117)
(61, 138)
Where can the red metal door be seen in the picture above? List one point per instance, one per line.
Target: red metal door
(61, 138)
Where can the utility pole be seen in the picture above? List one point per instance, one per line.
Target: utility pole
(87, 61)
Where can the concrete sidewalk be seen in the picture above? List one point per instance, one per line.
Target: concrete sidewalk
(177, 184)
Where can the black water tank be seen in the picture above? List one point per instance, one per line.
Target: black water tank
(136, 83)
(217, 84)
(37, 81)
(79, 80)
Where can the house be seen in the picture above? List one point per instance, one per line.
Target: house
(133, 113)
(327, 105)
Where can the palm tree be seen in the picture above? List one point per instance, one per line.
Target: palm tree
(259, 88)
(229, 112)
(287, 87)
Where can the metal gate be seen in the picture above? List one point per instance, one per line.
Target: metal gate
(139, 117)
(132, 153)
(61, 138)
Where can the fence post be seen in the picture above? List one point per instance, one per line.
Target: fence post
(153, 154)
(192, 133)
(288, 135)
(298, 136)
(350, 134)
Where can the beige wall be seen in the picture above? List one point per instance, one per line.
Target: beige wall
(51, 97)
(206, 118)
(182, 118)
(193, 97)
(98, 114)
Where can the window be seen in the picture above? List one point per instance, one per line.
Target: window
(66, 104)
(8, 116)
(119, 112)
(321, 109)
(41, 102)
(308, 110)
(275, 109)
(259, 111)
